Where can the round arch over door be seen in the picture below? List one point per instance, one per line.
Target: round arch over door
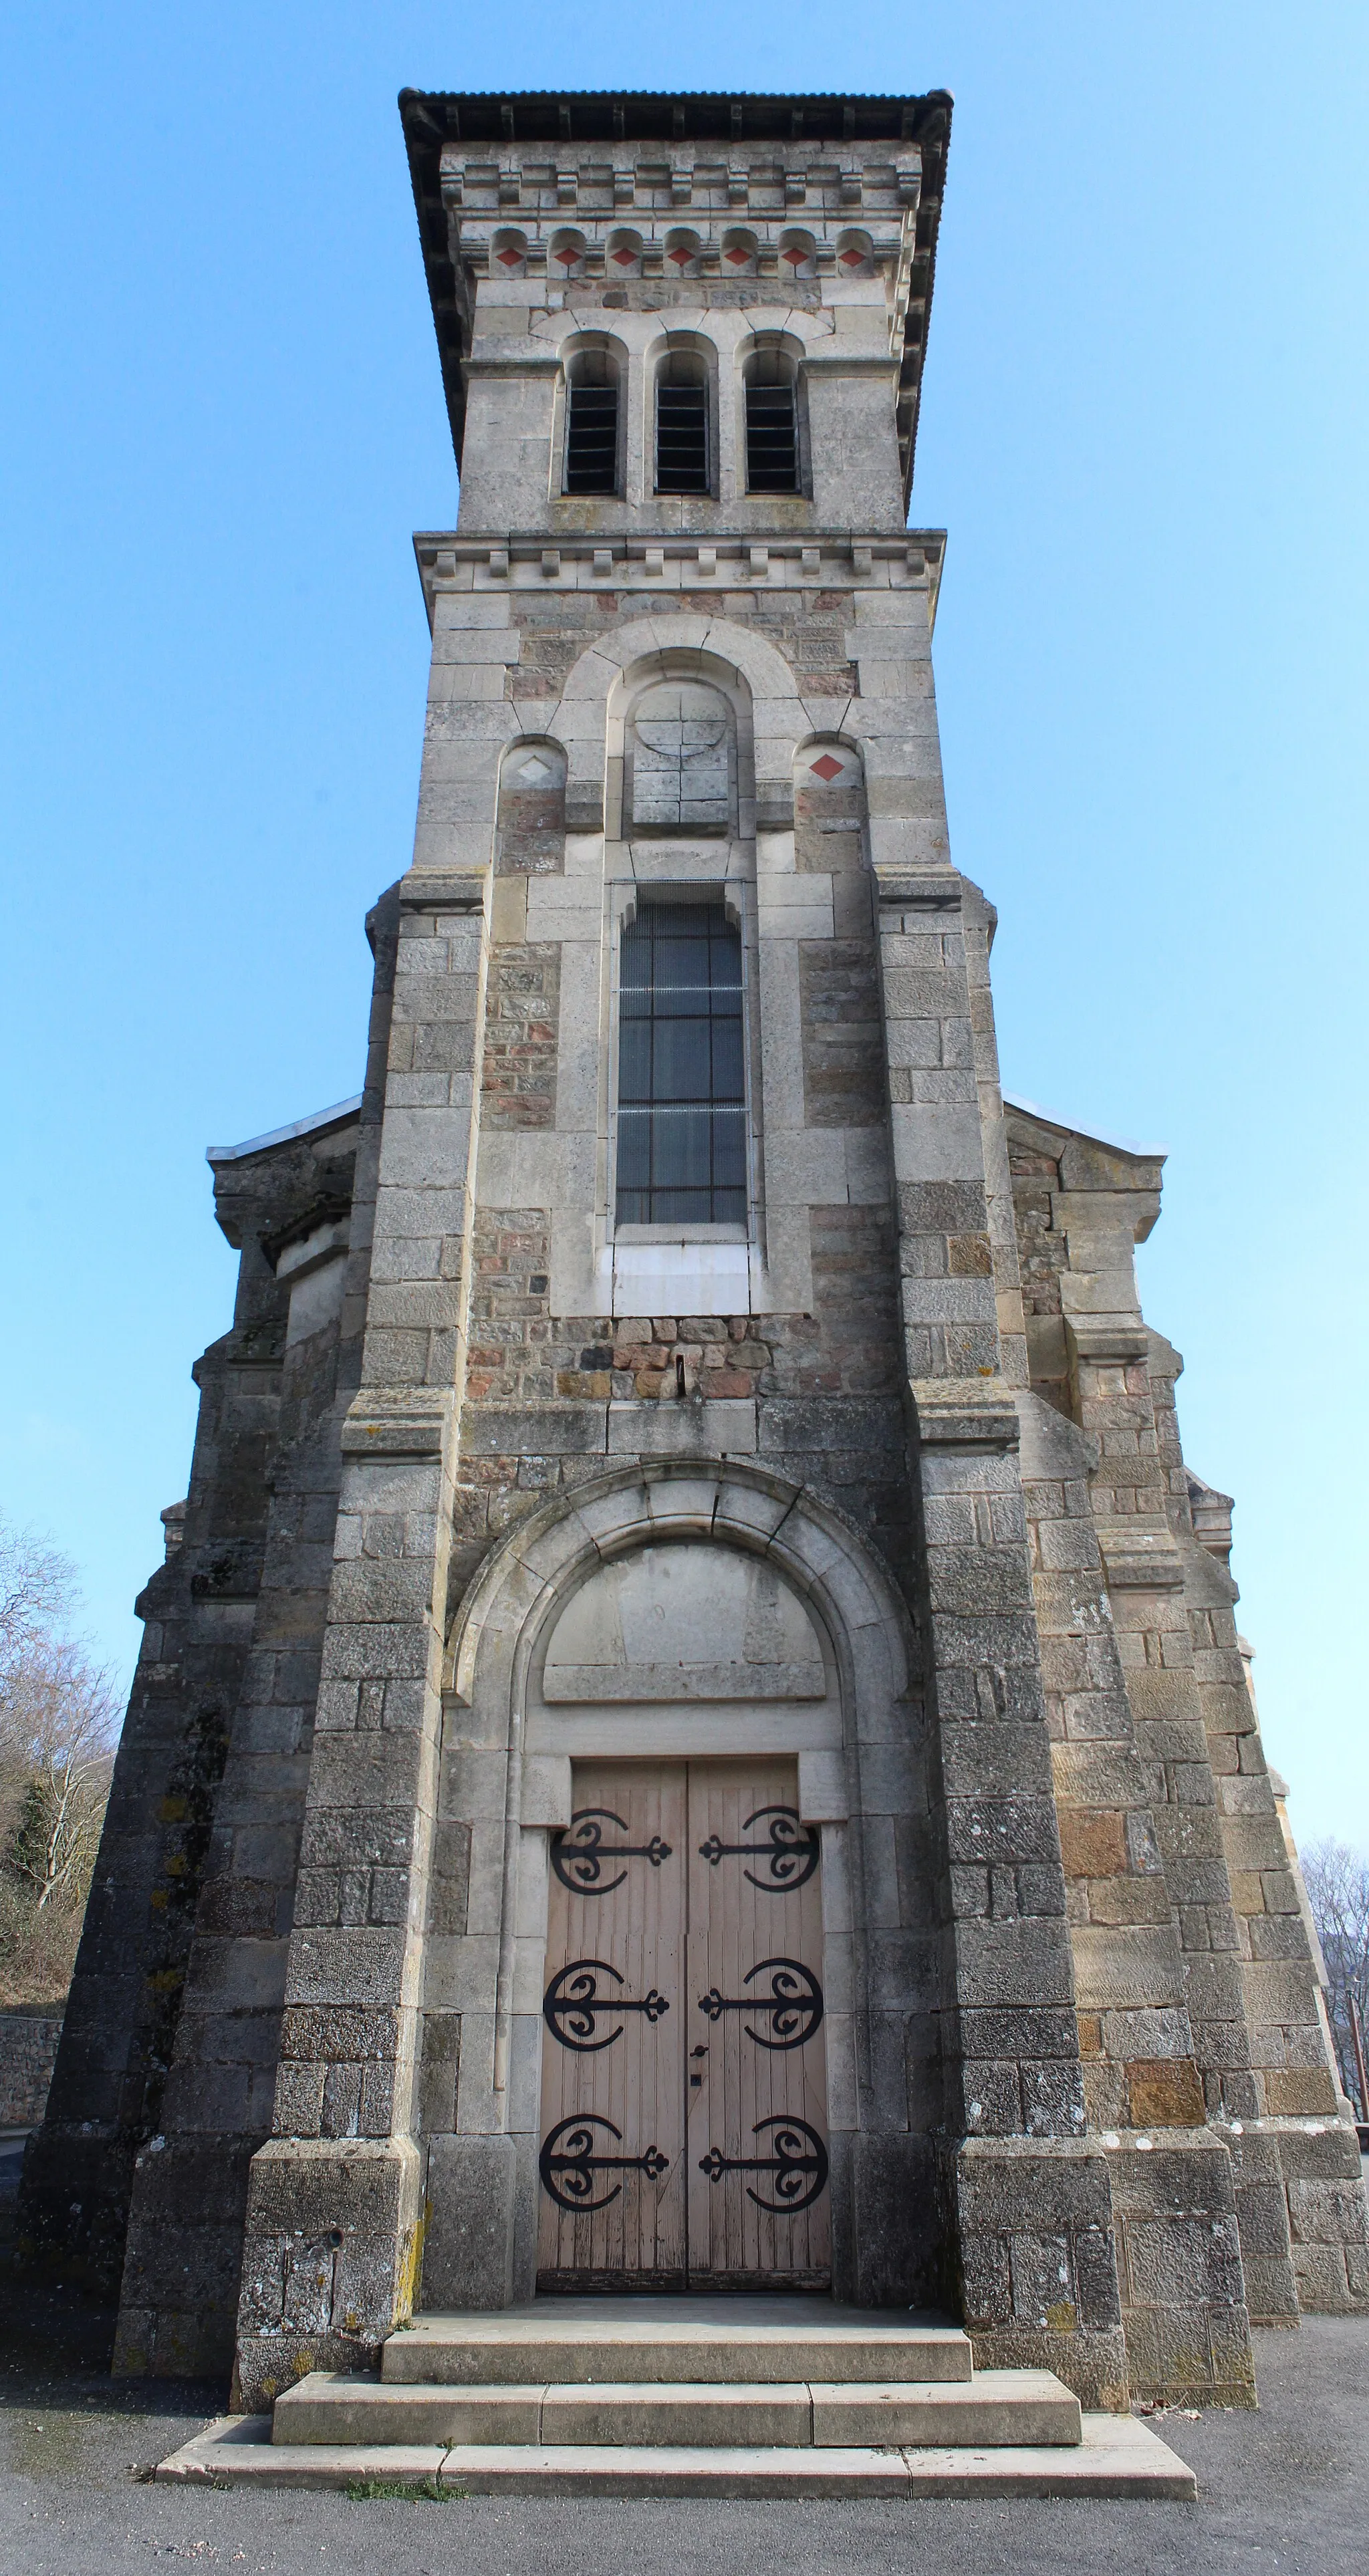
(808, 1667)
(683, 2134)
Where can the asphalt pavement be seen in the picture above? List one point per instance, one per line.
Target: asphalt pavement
(1286, 2488)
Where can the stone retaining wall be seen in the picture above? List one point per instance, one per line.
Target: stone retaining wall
(28, 2048)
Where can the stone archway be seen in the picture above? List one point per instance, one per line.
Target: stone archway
(826, 1693)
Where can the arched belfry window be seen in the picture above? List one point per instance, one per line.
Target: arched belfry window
(772, 423)
(591, 423)
(681, 1081)
(682, 443)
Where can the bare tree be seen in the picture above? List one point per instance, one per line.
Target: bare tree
(1337, 1881)
(37, 1586)
(58, 1726)
(57, 1729)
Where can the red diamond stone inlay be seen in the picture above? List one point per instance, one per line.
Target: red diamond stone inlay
(566, 258)
(509, 258)
(853, 259)
(737, 258)
(679, 258)
(623, 258)
(826, 768)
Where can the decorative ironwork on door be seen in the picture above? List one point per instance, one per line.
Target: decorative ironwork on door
(786, 1853)
(578, 1856)
(684, 2109)
(569, 2163)
(575, 2003)
(797, 2164)
(793, 2005)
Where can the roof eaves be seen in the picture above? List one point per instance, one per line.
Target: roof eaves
(1095, 1135)
(312, 1126)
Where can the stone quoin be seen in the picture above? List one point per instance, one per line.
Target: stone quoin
(691, 1730)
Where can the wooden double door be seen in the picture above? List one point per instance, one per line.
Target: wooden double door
(684, 2103)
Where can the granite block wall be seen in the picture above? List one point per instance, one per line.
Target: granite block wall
(1080, 2086)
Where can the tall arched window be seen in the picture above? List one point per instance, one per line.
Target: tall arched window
(772, 423)
(682, 444)
(681, 1077)
(591, 423)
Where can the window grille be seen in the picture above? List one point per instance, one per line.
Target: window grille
(772, 448)
(681, 437)
(592, 438)
(681, 1088)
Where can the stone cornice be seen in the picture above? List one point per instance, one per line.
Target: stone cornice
(573, 561)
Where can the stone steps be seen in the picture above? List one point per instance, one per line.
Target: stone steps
(728, 2340)
(687, 2396)
(997, 2409)
(1116, 2458)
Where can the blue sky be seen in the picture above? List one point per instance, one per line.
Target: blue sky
(1144, 426)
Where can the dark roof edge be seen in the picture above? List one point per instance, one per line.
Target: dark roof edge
(342, 1112)
(680, 116)
(1092, 1135)
(433, 117)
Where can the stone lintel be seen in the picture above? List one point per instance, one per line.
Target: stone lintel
(441, 890)
(530, 357)
(936, 889)
(1138, 1559)
(409, 1422)
(965, 1413)
(1115, 1339)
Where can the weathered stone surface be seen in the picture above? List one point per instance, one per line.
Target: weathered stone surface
(881, 1358)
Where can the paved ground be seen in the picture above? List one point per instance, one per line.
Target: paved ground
(1285, 2489)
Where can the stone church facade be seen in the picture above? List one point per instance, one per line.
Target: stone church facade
(691, 1730)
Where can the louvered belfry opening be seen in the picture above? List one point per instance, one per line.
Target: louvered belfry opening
(681, 1086)
(772, 442)
(592, 433)
(682, 426)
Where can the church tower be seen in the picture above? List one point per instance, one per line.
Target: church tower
(720, 1756)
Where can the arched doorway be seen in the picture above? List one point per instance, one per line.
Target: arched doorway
(684, 2130)
(679, 1705)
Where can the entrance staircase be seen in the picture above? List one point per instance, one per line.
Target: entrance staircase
(686, 2397)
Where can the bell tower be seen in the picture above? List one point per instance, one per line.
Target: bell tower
(689, 1237)
(704, 322)
(730, 1762)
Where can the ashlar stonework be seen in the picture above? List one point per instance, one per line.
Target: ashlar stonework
(681, 1383)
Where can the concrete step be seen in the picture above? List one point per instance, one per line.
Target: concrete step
(662, 2339)
(998, 2409)
(1117, 2457)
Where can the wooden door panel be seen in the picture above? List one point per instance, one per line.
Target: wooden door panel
(758, 2199)
(684, 2111)
(613, 2196)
